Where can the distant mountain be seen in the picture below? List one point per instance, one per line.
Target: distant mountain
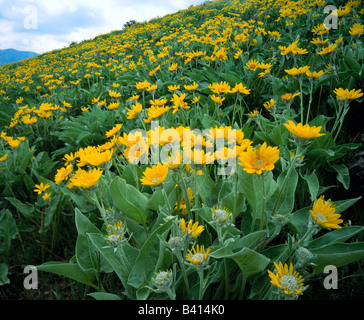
(12, 55)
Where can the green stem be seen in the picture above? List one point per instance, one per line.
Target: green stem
(242, 288)
(263, 204)
(200, 295)
(301, 98)
(183, 269)
(309, 103)
(226, 279)
(285, 179)
(185, 194)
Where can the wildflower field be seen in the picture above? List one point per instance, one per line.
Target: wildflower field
(201, 155)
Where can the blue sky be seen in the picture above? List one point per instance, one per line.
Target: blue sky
(45, 25)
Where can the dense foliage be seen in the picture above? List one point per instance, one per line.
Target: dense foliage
(189, 157)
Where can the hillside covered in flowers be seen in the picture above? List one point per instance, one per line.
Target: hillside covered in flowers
(193, 156)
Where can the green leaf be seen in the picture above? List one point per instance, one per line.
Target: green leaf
(148, 257)
(70, 270)
(342, 205)
(354, 65)
(114, 258)
(338, 235)
(252, 188)
(26, 209)
(312, 183)
(4, 274)
(131, 202)
(250, 262)
(87, 255)
(233, 247)
(7, 225)
(104, 296)
(337, 254)
(342, 174)
(206, 189)
(284, 197)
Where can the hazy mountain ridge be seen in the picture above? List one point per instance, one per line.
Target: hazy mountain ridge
(12, 55)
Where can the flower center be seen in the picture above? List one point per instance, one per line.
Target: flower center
(320, 217)
(155, 179)
(198, 256)
(221, 215)
(258, 163)
(290, 283)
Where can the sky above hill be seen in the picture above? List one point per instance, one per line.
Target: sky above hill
(43, 25)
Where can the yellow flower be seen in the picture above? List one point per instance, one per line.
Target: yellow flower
(46, 196)
(113, 105)
(85, 179)
(357, 29)
(220, 88)
(259, 159)
(252, 64)
(155, 112)
(114, 94)
(192, 229)
(320, 29)
(152, 87)
(323, 213)
(179, 102)
(29, 120)
(113, 131)
(319, 41)
(303, 131)
(92, 156)
(269, 104)
(3, 158)
(95, 100)
(199, 256)
(137, 108)
(173, 67)
(289, 281)
(253, 114)
(191, 87)
(174, 161)
(327, 49)
(173, 87)
(39, 188)
(142, 85)
(152, 72)
(289, 96)
(240, 88)
(314, 74)
(69, 158)
(342, 94)
(62, 174)
(297, 72)
(221, 54)
(217, 99)
(155, 175)
(182, 204)
(199, 156)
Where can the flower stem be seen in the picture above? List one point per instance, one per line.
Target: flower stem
(309, 103)
(200, 295)
(181, 262)
(242, 288)
(263, 204)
